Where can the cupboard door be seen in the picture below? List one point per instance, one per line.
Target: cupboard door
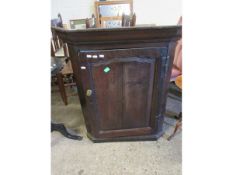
(122, 83)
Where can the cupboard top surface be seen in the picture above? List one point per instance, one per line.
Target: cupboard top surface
(123, 34)
(141, 27)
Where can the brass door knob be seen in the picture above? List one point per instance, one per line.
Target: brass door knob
(88, 92)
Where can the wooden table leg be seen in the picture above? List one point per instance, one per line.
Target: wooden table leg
(62, 129)
(62, 88)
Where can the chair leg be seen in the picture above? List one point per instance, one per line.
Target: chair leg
(178, 125)
(62, 88)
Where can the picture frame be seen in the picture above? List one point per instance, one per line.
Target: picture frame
(78, 24)
(109, 13)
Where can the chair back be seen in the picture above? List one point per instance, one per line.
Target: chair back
(56, 22)
(178, 51)
(91, 22)
(53, 49)
(128, 20)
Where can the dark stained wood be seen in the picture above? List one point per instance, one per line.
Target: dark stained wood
(138, 83)
(123, 76)
(62, 88)
(109, 95)
(126, 35)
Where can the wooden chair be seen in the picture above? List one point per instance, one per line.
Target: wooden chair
(65, 77)
(57, 42)
(177, 63)
(91, 22)
(176, 76)
(57, 22)
(128, 20)
(59, 50)
(178, 125)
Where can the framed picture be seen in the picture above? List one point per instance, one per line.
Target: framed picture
(78, 24)
(109, 13)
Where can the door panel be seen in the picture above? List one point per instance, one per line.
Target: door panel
(136, 88)
(108, 88)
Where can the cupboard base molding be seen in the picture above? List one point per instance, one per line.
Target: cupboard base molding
(152, 137)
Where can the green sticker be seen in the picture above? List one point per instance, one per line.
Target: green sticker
(106, 69)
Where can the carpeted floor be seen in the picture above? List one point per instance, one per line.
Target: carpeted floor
(71, 157)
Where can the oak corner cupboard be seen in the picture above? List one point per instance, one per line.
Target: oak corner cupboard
(123, 76)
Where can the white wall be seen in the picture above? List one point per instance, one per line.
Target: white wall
(72, 9)
(159, 12)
